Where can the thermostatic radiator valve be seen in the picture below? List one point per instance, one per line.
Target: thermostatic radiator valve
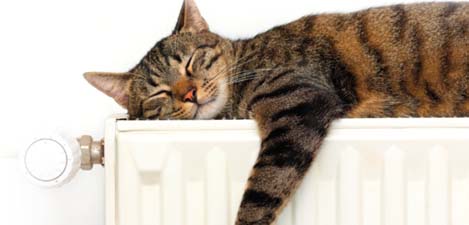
(53, 160)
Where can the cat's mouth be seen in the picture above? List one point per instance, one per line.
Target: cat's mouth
(207, 101)
(209, 108)
(203, 107)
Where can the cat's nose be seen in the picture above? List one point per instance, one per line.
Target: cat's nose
(191, 96)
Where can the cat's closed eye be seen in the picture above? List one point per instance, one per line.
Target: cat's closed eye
(156, 100)
(188, 70)
(160, 93)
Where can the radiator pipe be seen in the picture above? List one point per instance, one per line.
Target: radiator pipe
(92, 152)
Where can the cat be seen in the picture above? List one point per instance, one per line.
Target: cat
(295, 79)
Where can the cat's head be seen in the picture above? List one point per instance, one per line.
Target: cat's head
(184, 76)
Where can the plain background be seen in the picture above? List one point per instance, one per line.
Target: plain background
(46, 46)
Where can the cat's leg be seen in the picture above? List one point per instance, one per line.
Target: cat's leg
(292, 128)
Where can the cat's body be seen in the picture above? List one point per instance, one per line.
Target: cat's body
(397, 61)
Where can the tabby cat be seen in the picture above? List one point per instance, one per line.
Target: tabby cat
(295, 79)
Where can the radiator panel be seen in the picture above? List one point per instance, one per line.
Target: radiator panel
(380, 171)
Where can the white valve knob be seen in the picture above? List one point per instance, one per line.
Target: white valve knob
(50, 161)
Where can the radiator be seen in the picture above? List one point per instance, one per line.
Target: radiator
(368, 172)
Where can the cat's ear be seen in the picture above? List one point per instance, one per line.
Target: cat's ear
(115, 85)
(190, 19)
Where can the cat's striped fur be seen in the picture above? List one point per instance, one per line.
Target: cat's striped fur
(395, 61)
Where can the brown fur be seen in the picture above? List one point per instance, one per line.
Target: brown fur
(295, 79)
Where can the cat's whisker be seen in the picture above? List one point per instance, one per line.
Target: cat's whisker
(245, 75)
(248, 72)
(232, 67)
(251, 71)
(209, 86)
(177, 111)
(186, 115)
(182, 111)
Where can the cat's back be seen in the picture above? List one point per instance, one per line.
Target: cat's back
(393, 61)
(407, 60)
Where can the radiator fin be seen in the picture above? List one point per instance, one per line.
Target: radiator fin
(437, 187)
(172, 190)
(393, 187)
(217, 188)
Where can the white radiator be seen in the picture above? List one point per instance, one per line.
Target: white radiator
(369, 172)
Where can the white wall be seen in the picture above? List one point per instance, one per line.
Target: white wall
(46, 45)
(79, 202)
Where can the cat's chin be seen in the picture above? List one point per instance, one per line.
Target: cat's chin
(210, 109)
(213, 107)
